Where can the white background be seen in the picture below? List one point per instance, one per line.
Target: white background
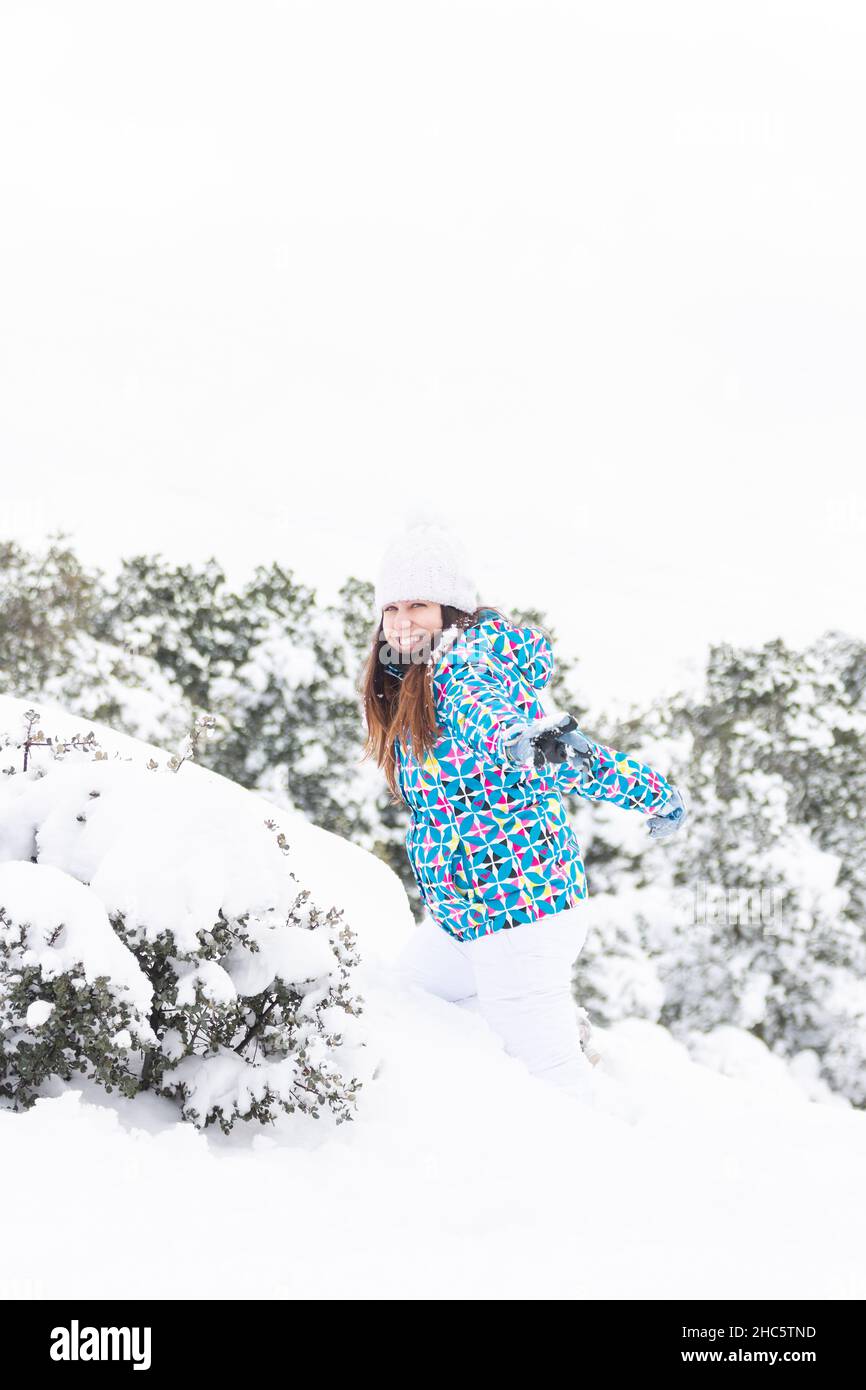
(595, 275)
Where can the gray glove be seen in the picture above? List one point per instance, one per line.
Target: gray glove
(666, 822)
(551, 741)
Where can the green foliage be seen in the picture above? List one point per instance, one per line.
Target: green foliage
(276, 1024)
(89, 1029)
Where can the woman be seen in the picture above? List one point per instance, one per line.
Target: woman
(451, 698)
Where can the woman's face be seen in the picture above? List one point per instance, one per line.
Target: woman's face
(406, 624)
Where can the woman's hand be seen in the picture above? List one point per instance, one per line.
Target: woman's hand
(554, 739)
(666, 822)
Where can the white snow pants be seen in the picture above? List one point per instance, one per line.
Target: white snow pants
(519, 980)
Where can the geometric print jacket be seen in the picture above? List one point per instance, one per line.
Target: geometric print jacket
(489, 841)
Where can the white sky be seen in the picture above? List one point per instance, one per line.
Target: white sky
(268, 273)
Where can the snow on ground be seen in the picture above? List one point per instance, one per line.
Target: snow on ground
(461, 1177)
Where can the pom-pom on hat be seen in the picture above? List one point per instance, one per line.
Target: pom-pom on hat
(426, 559)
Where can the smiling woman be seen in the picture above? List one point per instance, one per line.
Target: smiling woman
(410, 622)
(451, 694)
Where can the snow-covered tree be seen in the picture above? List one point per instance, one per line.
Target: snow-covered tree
(752, 917)
(776, 939)
(45, 601)
(50, 619)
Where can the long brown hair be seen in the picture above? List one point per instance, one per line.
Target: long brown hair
(404, 707)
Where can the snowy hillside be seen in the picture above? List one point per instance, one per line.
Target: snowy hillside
(460, 1174)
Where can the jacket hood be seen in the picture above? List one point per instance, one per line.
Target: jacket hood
(525, 648)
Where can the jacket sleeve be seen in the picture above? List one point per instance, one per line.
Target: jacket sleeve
(473, 703)
(619, 778)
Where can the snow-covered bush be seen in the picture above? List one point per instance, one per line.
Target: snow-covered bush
(249, 1009)
(249, 1019)
(72, 997)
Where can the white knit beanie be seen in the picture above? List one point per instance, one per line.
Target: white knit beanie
(426, 559)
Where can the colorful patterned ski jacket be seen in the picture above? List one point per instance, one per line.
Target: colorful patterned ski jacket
(489, 841)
